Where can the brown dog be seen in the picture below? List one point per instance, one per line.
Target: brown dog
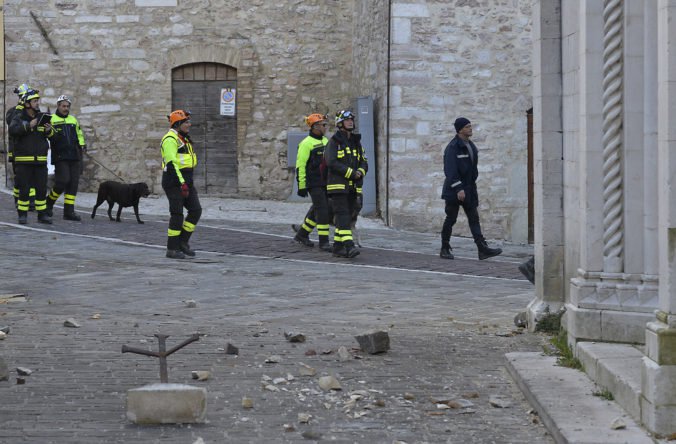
(122, 194)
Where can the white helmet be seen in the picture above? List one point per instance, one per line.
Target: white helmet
(62, 98)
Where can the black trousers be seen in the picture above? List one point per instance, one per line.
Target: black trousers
(472, 212)
(29, 176)
(66, 177)
(181, 229)
(343, 206)
(318, 214)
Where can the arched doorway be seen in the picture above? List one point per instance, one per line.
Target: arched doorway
(198, 87)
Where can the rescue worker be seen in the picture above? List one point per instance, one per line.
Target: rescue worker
(30, 130)
(312, 180)
(347, 165)
(19, 91)
(178, 163)
(67, 145)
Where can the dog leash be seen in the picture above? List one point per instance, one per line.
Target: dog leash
(104, 167)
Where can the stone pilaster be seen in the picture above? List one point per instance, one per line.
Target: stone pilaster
(548, 168)
(658, 378)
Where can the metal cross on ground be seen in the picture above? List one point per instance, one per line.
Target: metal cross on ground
(162, 352)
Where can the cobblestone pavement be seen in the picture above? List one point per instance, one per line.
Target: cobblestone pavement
(450, 323)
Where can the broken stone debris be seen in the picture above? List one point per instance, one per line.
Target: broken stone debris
(23, 371)
(343, 354)
(273, 359)
(96, 316)
(70, 322)
(294, 337)
(231, 349)
(329, 383)
(304, 418)
(5, 329)
(306, 370)
(247, 403)
(375, 341)
(3, 335)
(190, 303)
(618, 424)
(499, 403)
(201, 375)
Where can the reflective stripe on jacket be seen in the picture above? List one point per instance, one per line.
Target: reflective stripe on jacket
(177, 154)
(67, 139)
(30, 144)
(309, 160)
(344, 157)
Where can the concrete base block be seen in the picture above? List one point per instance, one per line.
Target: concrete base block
(167, 404)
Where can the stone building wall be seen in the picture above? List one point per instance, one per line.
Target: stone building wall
(115, 59)
(453, 58)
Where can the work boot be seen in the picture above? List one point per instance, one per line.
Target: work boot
(303, 238)
(68, 212)
(23, 219)
(185, 248)
(295, 228)
(351, 250)
(175, 254)
(44, 218)
(446, 253)
(528, 269)
(339, 249)
(485, 251)
(325, 247)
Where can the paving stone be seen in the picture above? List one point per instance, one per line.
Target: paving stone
(167, 404)
(374, 341)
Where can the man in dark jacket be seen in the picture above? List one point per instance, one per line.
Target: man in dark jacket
(347, 165)
(67, 145)
(30, 130)
(461, 158)
(20, 91)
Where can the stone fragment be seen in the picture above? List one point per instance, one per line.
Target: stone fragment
(379, 402)
(271, 388)
(521, 319)
(96, 316)
(343, 354)
(441, 399)
(4, 371)
(190, 303)
(499, 403)
(310, 352)
(443, 406)
(23, 371)
(201, 375)
(273, 359)
(266, 378)
(306, 370)
(409, 396)
(329, 383)
(618, 424)
(289, 428)
(5, 329)
(279, 380)
(3, 335)
(290, 377)
(470, 395)
(294, 337)
(312, 435)
(20, 381)
(70, 322)
(304, 418)
(199, 440)
(167, 404)
(231, 349)
(372, 342)
(247, 403)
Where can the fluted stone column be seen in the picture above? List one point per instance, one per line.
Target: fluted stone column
(658, 379)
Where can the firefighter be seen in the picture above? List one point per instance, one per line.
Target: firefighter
(67, 145)
(30, 130)
(347, 165)
(312, 180)
(19, 91)
(178, 163)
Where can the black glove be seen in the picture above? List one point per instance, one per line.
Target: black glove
(302, 192)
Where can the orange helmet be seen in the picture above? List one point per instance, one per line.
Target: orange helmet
(314, 118)
(178, 116)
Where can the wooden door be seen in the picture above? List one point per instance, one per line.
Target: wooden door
(197, 88)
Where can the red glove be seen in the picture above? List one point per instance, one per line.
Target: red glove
(185, 191)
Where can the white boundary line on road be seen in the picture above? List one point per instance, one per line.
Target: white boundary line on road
(216, 253)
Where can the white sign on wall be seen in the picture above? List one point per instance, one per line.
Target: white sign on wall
(228, 99)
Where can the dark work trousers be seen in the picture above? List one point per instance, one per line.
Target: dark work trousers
(31, 176)
(66, 176)
(343, 205)
(318, 214)
(452, 208)
(180, 230)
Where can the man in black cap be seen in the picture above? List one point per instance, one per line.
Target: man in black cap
(461, 158)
